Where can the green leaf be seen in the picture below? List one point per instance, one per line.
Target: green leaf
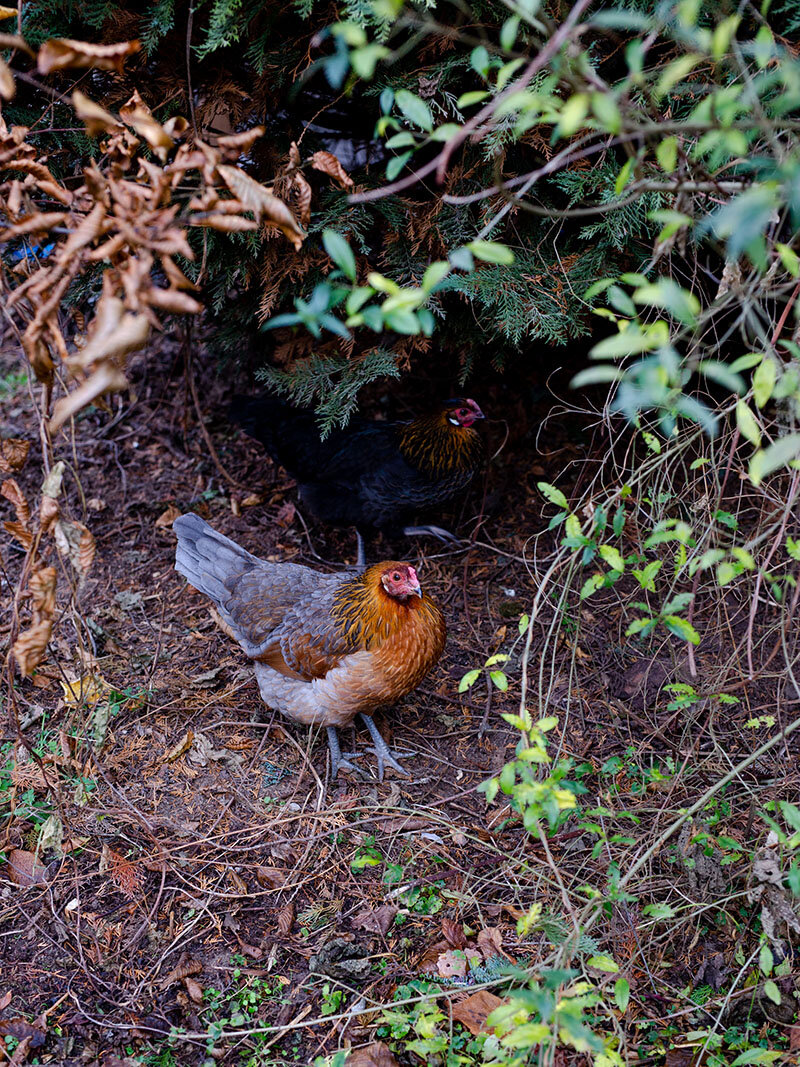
(766, 961)
(402, 321)
(401, 140)
(445, 132)
(676, 71)
(415, 109)
(622, 993)
(499, 680)
(612, 556)
(789, 259)
(682, 628)
(591, 585)
(395, 165)
(779, 454)
(434, 273)
(473, 97)
(772, 992)
(553, 495)
(747, 424)
(722, 374)
(479, 60)
(524, 622)
(596, 375)
(751, 359)
(340, 252)
(603, 963)
(498, 657)
(508, 33)
(607, 112)
(757, 1055)
(667, 294)
(723, 35)
(659, 911)
(742, 222)
(667, 154)
(491, 252)
(365, 60)
(764, 377)
(507, 71)
(623, 177)
(572, 114)
(726, 572)
(469, 679)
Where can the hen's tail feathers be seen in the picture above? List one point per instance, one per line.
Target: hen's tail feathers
(207, 558)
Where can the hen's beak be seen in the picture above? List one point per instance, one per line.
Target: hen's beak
(415, 588)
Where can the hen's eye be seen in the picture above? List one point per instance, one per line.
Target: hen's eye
(396, 577)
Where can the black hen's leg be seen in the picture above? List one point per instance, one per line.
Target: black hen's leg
(361, 559)
(384, 754)
(434, 531)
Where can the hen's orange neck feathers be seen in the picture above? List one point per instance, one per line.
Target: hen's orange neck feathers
(436, 447)
(368, 616)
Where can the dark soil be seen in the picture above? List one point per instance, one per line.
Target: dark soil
(206, 850)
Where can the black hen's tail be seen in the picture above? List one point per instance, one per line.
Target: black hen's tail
(288, 434)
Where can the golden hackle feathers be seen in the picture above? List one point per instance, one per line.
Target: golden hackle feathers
(433, 445)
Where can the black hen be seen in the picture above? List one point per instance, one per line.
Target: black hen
(371, 475)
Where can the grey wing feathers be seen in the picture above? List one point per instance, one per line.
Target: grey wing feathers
(253, 596)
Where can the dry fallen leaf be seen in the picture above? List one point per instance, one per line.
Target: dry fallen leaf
(452, 964)
(97, 120)
(490, 942)
(375, 1055)
(330, 165)
(286, 919)
(13, 453)
(182, 746)
(376, 920)
(194, 989)
(454, 933)
(24, 868)
(262, 203)
(166, 518)
(30, 646)
(474, 1010)
(58, 53)
(185, 967)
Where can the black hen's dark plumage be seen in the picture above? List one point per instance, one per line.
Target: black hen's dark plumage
(371, 475)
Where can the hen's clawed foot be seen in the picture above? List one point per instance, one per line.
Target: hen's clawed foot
(433, 531)
(384, 755)
(338, 761)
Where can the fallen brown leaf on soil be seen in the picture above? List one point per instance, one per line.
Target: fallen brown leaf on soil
(474, 1011)
(374, 1055)
(5, 1000)
(184, 969)
(452, 964)
(794, 1038)
(194, 989)
(24, 869)
(166, 518)
(376, 920)
(178, 749)
(272, 877)
(13, 453)
(286, 919)
(684, 1057)
(490, 942)
(453, 932)
(22, 1030)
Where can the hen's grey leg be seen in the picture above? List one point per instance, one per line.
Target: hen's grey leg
(338, 762)
(434, 531)
(361, 559)
(382, 751)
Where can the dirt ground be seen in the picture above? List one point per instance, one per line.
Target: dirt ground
(210, 878)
